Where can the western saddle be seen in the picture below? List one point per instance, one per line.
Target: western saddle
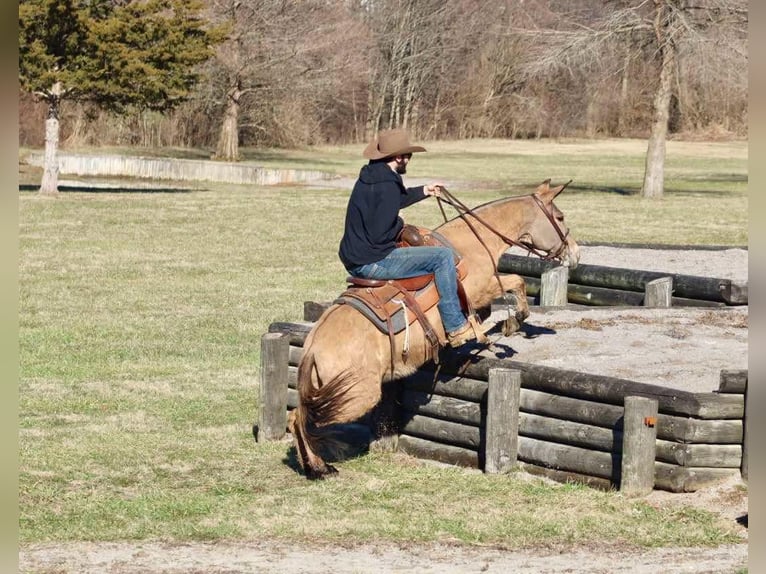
(393, 305)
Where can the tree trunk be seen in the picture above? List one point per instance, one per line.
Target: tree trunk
(654, 174)
(50, 182)
(228, 139)
(623, 119)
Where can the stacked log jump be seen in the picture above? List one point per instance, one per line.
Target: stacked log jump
(563, 424)
(599, 285)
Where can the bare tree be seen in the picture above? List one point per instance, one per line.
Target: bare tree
(648, 30)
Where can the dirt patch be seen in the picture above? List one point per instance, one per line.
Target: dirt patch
(273, 557)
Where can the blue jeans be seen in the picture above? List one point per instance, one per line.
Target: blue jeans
(405, 262)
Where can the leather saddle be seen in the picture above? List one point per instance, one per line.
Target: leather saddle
(393, 305)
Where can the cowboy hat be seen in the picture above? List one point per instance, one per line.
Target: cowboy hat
(390, 143)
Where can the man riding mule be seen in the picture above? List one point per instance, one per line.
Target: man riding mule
(346, 357)
(369, 249)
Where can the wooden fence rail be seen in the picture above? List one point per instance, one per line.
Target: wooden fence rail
(600, 285)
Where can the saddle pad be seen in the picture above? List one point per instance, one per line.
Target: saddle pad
(380, 302)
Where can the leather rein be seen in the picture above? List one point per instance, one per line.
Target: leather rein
(463, 210)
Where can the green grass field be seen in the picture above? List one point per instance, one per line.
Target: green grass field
(140, 323)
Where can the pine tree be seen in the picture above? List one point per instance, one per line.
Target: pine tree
(118, 54)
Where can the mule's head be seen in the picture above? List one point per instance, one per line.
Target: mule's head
(545, 229)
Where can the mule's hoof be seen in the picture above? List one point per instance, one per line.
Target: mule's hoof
(510, 326)
(321, 473)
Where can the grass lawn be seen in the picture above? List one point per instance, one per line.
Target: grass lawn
(140, 323)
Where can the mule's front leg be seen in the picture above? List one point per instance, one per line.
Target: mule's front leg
(514, 284)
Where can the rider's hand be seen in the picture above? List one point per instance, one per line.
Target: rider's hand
(433, 189)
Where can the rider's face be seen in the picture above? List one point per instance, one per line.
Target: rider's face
(401, 163)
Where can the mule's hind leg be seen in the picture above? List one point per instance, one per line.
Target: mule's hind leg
(314, 467)
(345, 397)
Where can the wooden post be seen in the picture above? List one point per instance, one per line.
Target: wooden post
(502, 427)
(638, 446)
(553, 287)
(745, 434)
(272, 388)
(658, 293)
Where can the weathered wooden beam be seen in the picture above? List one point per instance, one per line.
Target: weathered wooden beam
(566, 476)
(312, 310)
(272, 388)
(592, 296)
(448, 454)
(710, 455)
(446, 432)
(296, 331)
(718, 442)
(688, 479)
(446, 408)
(502, 425)
(639, 444)
(600, 388)
(553, 287)
(733, 381)
(566, 457)
(690, 286)
(294, 357)
(658, 293)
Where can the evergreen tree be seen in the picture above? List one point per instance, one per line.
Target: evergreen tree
(118, 54)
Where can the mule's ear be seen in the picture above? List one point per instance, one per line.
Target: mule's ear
(550, 193)
(543, 188)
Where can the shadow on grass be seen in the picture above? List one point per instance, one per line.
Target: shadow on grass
(353, 441)
(28, 187)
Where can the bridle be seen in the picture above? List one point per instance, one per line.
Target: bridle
(464, 211)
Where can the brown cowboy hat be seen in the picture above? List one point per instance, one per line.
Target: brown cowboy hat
(390, 143)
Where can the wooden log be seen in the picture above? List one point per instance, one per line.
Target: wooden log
(676, 478)
(571, 433)
(565, 457)
(446, 408)
(502, 425)
(553, 287)
(672, 432)
(447, 385)
(639, 443)
(313, 310)
(448, 454)
(294, 356)
(733, 381)
(658, 293)
(297, 332)
(446, 432)
(592, 296)
(571, 409)
(690, 286)
(566, 476)
(599, 388)
(292, 399)
(701, 431)
(710, 455)
(272, 390)
(735, 293)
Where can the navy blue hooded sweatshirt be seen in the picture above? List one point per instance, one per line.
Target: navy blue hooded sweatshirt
(372, 215)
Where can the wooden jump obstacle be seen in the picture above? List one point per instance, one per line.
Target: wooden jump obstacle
(600, 285)
(569, 426)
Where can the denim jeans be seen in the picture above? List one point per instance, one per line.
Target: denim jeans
(405, 262)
